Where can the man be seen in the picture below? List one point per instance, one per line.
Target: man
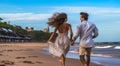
(87, 32)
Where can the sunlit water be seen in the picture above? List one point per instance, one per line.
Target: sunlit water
(101, 59)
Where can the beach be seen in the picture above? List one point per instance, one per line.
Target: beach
(103, 54)
(31, 54)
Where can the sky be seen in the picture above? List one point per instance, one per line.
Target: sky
(35, 13)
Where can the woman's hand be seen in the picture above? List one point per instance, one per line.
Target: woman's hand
(49, 41)
(72, 43)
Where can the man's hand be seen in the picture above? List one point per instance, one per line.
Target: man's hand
(94, 37)
(73, 41)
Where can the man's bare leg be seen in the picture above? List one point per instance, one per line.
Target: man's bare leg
(88, 56)
(82, 59)
(88, 60)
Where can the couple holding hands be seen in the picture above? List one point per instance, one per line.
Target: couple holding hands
(87, 31)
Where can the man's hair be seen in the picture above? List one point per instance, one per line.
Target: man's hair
(84, 15)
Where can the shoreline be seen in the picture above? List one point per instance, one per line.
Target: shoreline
(30, 54)
(102, 55)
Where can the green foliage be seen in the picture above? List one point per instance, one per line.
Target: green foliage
(40, 36)
(17, 29)
(20, 30)
(37, 36)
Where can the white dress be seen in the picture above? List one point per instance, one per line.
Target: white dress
(61, 45)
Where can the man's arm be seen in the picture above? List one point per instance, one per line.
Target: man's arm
(95, 31)
(76, 35)
(71, 33)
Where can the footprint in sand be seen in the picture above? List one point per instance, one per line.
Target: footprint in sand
(28, 62)
(20, 57)
(2, 65)
(32, 56)
(7, 50)
(1, 54)
(39, 62)
(6, 62)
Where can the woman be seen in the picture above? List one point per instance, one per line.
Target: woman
(58, 21)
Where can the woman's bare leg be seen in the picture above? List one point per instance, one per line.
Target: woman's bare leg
(62, 58)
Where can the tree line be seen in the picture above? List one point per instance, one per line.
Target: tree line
(15, 33)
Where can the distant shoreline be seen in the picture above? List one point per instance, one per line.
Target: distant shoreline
(103, 42)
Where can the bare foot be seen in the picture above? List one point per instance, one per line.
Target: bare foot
(85, 65)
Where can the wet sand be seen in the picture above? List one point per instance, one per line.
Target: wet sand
(103, 54)
(30, 54)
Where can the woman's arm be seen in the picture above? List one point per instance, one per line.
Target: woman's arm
(51, 37)
(71, 33)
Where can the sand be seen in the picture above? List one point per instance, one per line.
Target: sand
(30, 54)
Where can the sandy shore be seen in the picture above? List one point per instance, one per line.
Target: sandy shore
(30, 54)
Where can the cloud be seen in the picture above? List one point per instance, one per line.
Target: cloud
(91, 10)
(103, 11)
(24, 16)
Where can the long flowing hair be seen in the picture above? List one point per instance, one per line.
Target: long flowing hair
(57, 19)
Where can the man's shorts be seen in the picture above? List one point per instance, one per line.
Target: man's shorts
(83, 50)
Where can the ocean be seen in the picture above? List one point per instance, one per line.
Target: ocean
(103, 54)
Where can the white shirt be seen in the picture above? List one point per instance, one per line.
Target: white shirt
(86, 31)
